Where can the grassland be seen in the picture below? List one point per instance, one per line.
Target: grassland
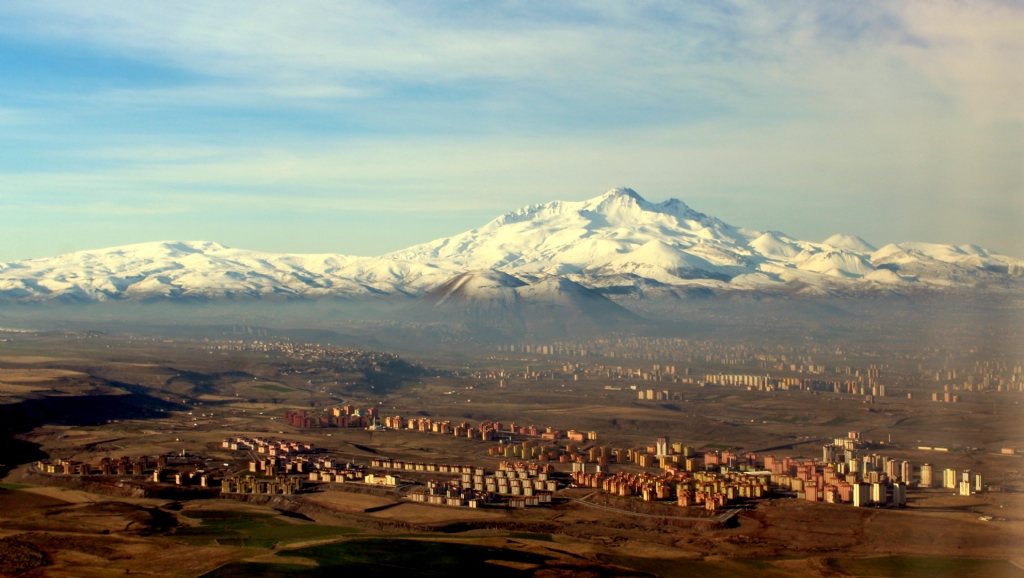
(251, 530)
(277, 388)
(381, 557)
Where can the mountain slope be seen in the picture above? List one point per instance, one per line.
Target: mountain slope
(488, 297)
(850, 243)
(550, 306)
(616, 243)
(203, 270)
(562, 237)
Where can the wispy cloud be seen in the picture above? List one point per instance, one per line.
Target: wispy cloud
(813, 115)
(635, 57)
(656, 61)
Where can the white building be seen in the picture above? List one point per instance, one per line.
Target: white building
(861, 495)
(879, 493)
(661, 446)
(899, 494)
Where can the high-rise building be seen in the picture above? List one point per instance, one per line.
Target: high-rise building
(861, 495)
(879, 493)
(978, 483)
(892, 468)
(829, 454)
(899, 494)
(661, 447)
(906, 472)
(949, 479)
(926, 476)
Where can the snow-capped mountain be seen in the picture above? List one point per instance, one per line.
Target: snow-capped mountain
(198, 269)
(616, 242)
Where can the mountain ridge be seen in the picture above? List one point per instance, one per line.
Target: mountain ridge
(615, 243)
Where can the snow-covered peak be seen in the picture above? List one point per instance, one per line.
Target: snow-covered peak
(617, 241)
(151, 250)
(850, 243)
(626, 205)
(772, 245)
(890, 251)
(656, 252)
(837, 263)
(621, 206)
(661, 262)
(565, 237)
(972, 249)
(618, 193)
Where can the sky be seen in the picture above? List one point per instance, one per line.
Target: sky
(362, 128)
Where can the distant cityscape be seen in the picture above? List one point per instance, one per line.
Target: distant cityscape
(849, 472)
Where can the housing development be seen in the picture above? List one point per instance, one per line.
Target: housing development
(731, 450)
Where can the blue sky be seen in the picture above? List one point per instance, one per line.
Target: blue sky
(362, 128)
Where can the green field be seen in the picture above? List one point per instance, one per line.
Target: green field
(247, 530)
(386, 557)
(277, 388)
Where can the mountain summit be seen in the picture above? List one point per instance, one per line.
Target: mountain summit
(561, 237)
(615, 243)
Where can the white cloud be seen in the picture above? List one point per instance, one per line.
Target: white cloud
(793, 108)
(748, 56)
(973, 51)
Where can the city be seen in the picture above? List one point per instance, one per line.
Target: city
(514, 289)
(455, 445)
